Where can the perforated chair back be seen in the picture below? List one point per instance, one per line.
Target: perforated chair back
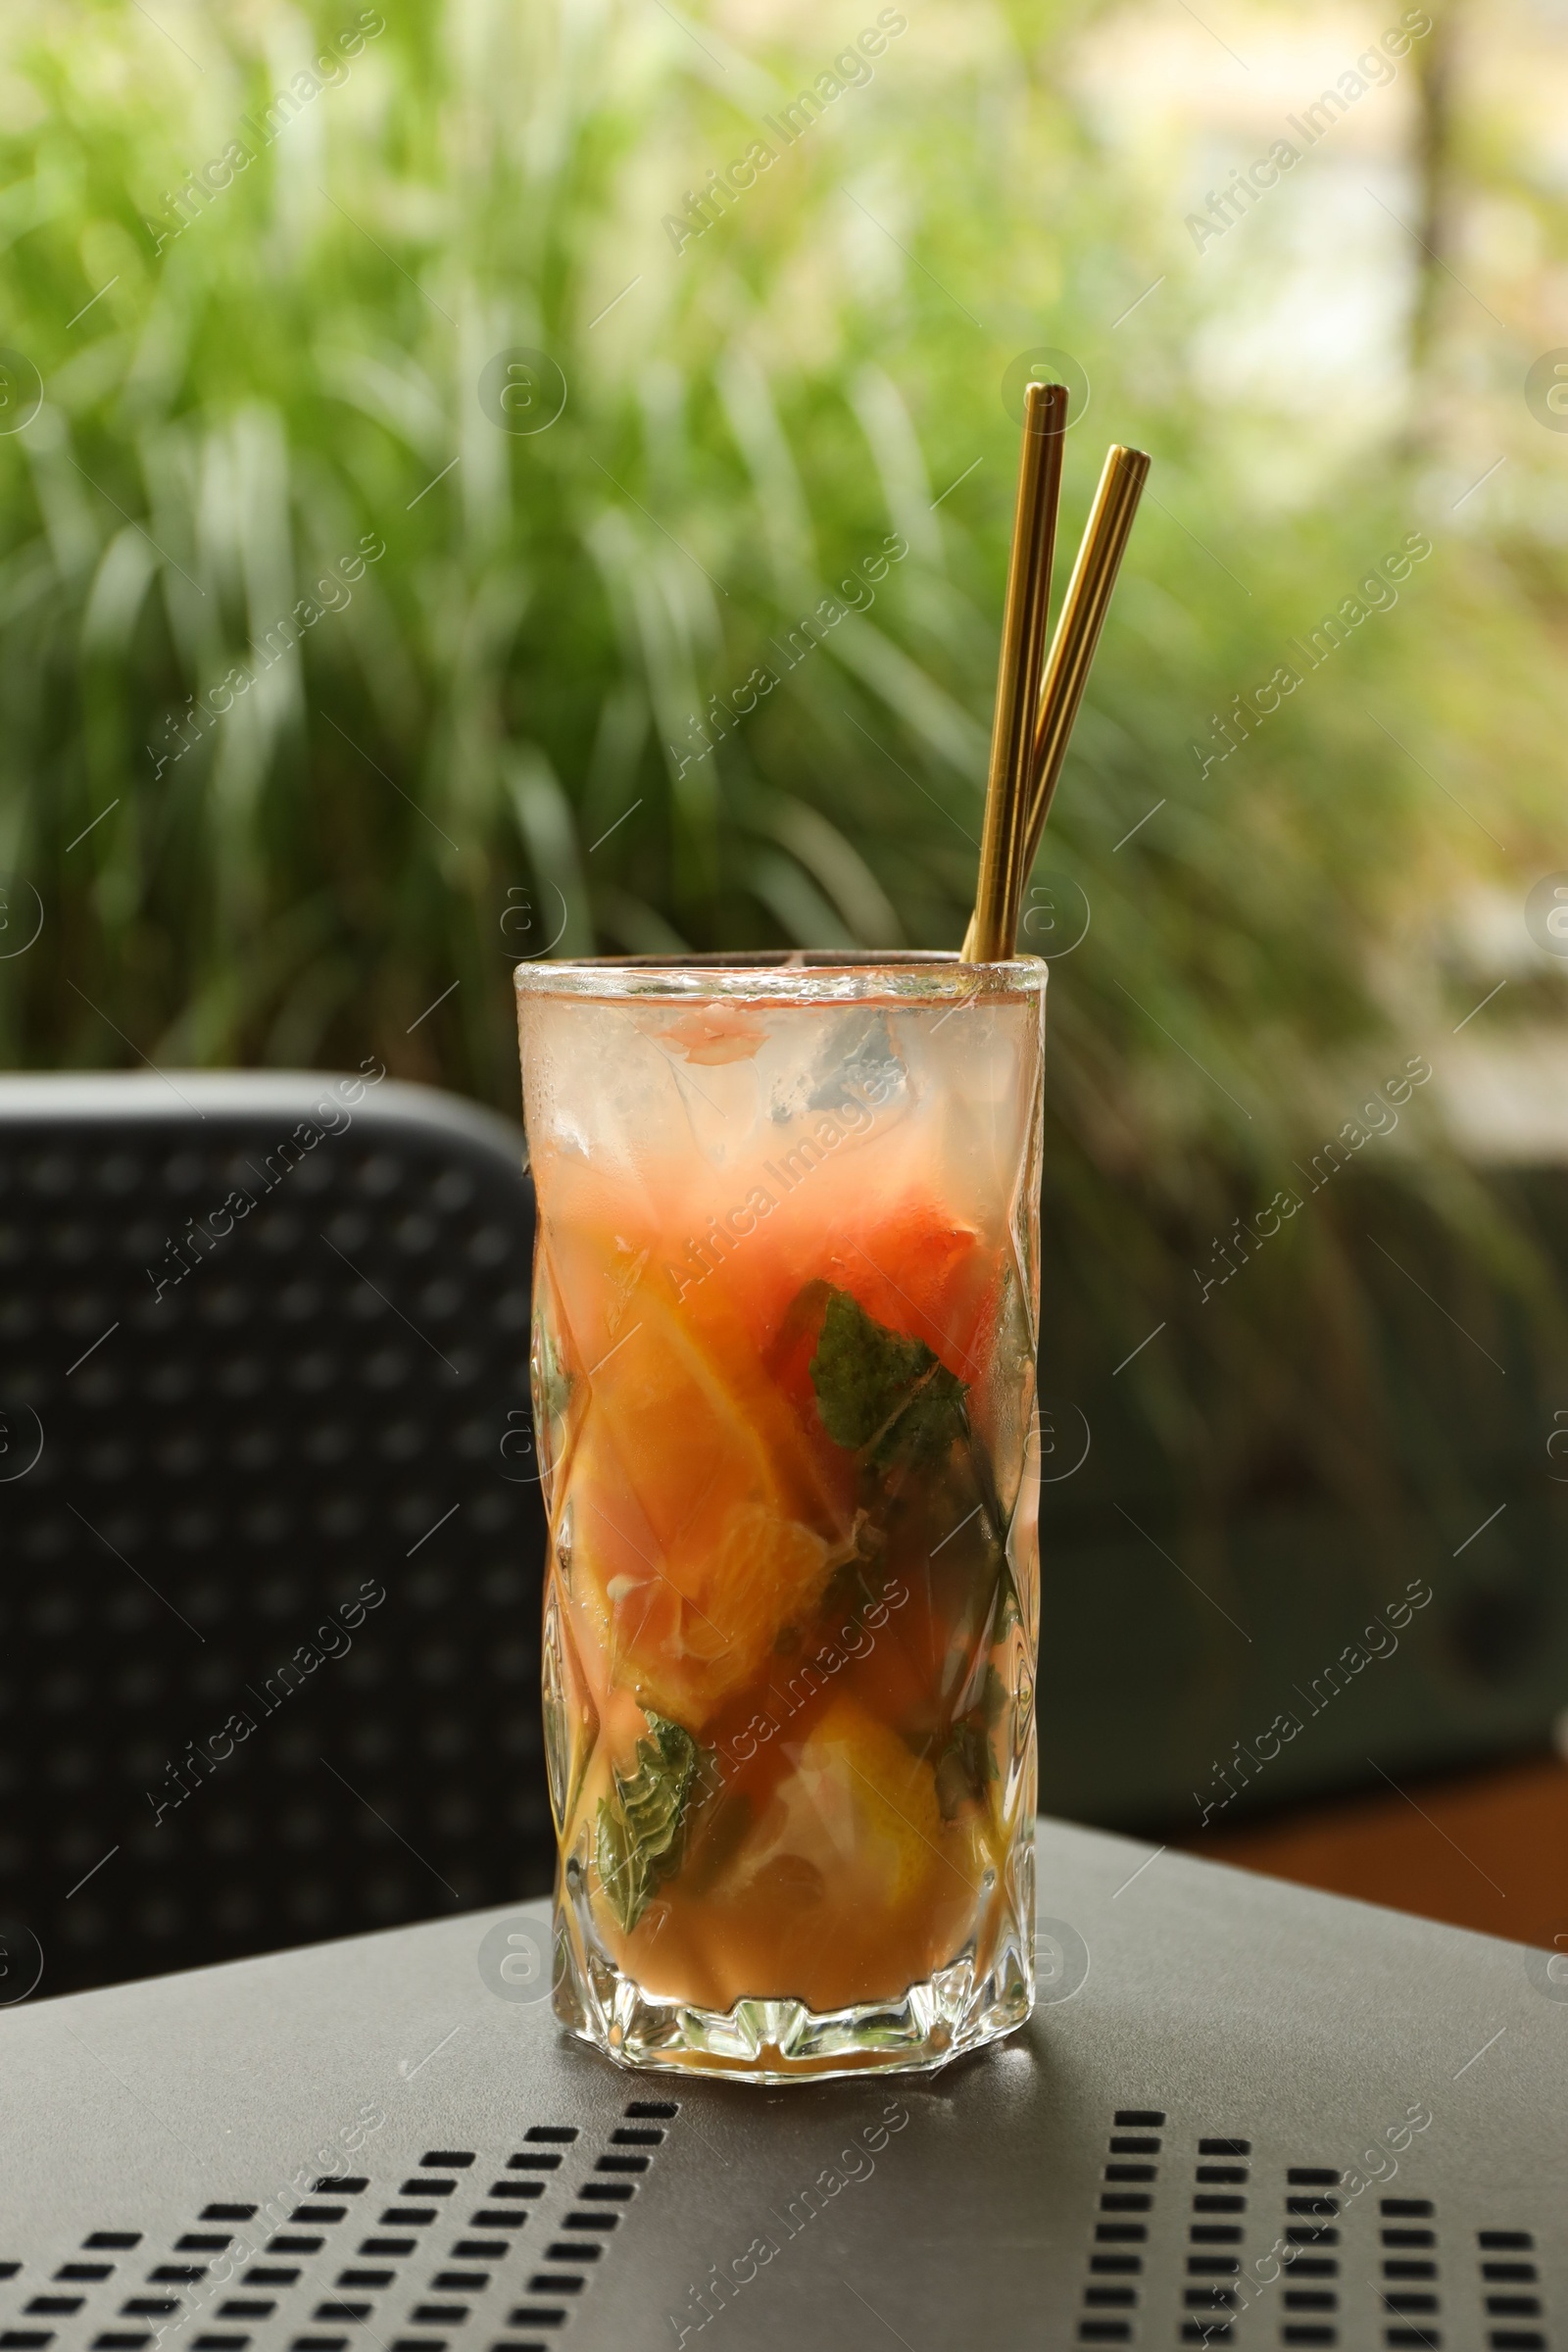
(269, 1525)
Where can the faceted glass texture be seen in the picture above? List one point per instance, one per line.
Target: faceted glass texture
(785, 1326)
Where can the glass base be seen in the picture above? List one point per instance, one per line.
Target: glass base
(766, 2041)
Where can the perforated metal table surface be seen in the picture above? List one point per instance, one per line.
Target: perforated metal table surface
(370, 2142)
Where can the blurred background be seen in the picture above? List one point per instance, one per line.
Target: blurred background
(416, 437)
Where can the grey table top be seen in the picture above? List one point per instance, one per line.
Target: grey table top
(1398, 2064)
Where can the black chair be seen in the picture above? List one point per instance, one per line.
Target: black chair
(271, 1535)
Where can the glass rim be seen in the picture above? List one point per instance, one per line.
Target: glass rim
(787, 975)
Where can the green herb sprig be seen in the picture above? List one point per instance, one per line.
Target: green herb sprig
(642, 1824)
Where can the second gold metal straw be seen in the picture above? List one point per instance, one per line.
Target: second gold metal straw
(1082, 618)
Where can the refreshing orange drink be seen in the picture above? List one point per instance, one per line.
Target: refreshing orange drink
(784, 1330)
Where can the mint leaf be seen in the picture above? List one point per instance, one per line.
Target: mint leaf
(551, 1381)
(966, 1762)
(642, 1825)
(880, 1393)
(964, 1767)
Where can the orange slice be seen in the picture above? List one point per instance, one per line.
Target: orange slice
(686, 1491)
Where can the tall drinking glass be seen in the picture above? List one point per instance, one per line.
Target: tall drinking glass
(786, 1294)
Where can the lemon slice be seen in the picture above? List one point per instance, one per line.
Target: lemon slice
(862, 1812)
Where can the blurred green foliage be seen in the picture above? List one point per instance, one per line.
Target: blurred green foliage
(483, 743)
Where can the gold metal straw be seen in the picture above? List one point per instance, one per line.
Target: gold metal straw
(1009, 795)
(1078, 627)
